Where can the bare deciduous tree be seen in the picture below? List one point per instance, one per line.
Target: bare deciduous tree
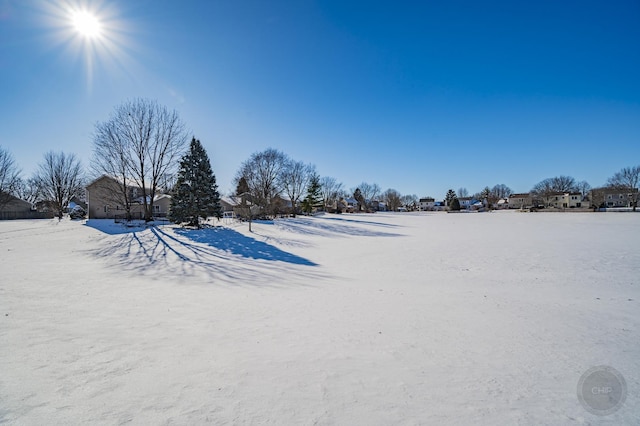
(410, 201)
(584, 188)
(462, 192)
(559, 184)
(29, 190)
(369, 192)
(393, 199)
(111, 157)
(262, 173)
(9, 177)
(331, 191)
(60, 179)
(628, 179)
(501, 191)
(295, 179)
(243, 193)
(141, 143)
(597, 197)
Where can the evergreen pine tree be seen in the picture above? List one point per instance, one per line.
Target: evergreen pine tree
(455, 204)
(196, 192)
(448, 199)
(357, 194)
(486, 197)
(314, 196)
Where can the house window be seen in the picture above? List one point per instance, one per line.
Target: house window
(156, 208)
(106, 209)
(609, 197)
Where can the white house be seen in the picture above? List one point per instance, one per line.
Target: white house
(564, 200)
(426, 203)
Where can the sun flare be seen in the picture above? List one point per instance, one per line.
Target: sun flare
(86, 24)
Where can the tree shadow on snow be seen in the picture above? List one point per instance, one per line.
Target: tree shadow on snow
(331, 227)
(222, 253)
(108, 226)
(349, 219)
(238, 244)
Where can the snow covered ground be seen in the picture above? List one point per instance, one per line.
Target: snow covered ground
(380, 319)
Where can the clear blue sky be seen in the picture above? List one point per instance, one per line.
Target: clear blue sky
(419, 96)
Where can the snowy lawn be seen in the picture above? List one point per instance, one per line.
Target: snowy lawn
(379, 319)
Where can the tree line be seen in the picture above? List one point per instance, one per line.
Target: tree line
(144, 144)
(627, 179)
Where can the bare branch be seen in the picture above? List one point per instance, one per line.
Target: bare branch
(9, 177)
(59, 177)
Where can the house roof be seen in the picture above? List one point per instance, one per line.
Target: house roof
(231, 200)
(98, 179)
(16, 202)
(617, 191)
(132, 183)
(524, 195)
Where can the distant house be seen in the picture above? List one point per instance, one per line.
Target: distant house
(377, 205)
(465, 202)
(503, 203)
(612, 197)
(161, 205)
(564, 200)
(15, 208)
(229, 203)
(351, 204)
(232, 206)
(520, 201)
(106, 200)
(426, 203)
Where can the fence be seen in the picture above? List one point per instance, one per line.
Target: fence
(25, 215)
(122, 218)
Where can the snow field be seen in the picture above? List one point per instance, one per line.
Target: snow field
(427, 318)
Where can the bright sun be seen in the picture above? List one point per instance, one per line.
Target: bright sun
(86, 24)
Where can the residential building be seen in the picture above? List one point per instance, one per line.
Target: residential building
(426, 203)
(612, 197)
(564, 200)
(465, 202)
(520, 201)
(229, 203)
(503, 203)
(106, 200)
(15, 208)
(161, 205)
